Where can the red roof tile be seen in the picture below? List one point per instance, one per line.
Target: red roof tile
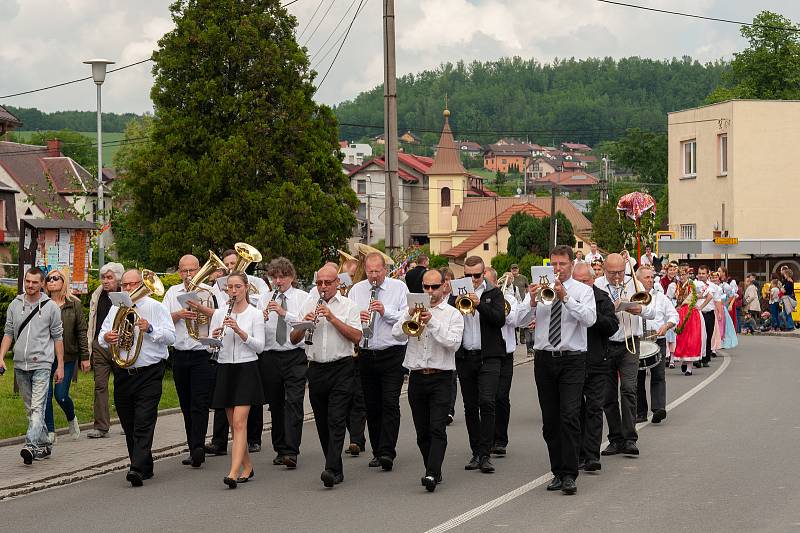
(485, 231)
(569, 178)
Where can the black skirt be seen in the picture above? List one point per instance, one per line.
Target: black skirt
(238, 384)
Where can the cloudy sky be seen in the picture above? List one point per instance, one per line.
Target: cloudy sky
(44, 41)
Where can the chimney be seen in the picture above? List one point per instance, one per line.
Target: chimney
(53, 148)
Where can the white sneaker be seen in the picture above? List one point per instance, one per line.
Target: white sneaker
(51, 436)
(74, 429)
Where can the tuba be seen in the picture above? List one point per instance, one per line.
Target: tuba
(247, 254)
(124, 353)
(414, 327)
(193, 327)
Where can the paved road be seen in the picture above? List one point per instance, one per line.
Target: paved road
(725, 460)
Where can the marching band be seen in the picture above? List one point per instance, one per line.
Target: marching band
(240, 342)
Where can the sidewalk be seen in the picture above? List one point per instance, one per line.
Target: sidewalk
(86, 458)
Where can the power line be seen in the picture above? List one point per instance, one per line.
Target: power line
(314, 32)
(287, 4)
(692, 15)
(362, 2)
(336, 27)
(308, 22)
(40, 148)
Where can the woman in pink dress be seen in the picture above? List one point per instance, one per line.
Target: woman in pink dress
(690, 331)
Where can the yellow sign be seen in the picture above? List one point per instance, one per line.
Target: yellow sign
(546, 262)
(663, 236)
(726, 240)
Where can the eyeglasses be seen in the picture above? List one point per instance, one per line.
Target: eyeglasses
(326, 282)
(615, 272)
(53, 278)
(476, 275)
(433, 287)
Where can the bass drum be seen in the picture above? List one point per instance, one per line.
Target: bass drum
(649, 355)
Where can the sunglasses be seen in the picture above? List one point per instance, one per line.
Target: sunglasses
(477, 275)
(431, 287)
(326, 282)
(52, 278)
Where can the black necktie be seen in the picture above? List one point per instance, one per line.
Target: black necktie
(555, 325)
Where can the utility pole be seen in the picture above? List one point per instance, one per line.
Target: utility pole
(389, 117)
(553, 192)
(604, 182)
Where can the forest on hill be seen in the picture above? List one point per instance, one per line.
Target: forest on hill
(581, 100)
(36, 120)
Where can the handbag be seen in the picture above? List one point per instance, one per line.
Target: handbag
(789, 304)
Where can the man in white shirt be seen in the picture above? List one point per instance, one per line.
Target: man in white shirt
(647, 258)
(666, 318)
(559, 366)
(283, 365)
(137, 389)
(620, 402)
(380, 356)
(594, 254)
(430, 358)
(330, 367)
(708, 294)
(192, 371)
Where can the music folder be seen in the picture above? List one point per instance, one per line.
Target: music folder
(120, 299)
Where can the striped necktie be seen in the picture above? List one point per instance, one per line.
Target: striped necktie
(555, 325)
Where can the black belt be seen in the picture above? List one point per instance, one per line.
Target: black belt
(282, 352)
(426, 371)
(561, 353)
(387, 350)
(472, 353)
(135, 371)
(334, 362)
(621, 343)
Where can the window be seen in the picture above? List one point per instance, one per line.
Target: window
(723, 154)
(445, 197)
(361, 186)
(486, 247)
(689, 231)
(689, 151)
(3, 215)
(362, 211)
(580, 245)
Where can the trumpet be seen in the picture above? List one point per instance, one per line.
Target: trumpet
(464, 302)
(309, 335)
(123, 353)
(546, 294)
(414, 326)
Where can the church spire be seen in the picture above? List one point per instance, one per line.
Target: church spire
(448, 156)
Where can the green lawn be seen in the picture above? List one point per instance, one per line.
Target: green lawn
(14, 422)
(108, 151)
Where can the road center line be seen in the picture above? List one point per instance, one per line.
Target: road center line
(544, 478)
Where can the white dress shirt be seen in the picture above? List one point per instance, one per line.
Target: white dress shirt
(330, 345)
(392, 294)
(703, 290)
(628, 323)
(515, 319)
(182, 339)
(472, 325)
(646, 259)
(577, 314)
(234, 349)
(295, 298)
(441, 337)
(155, 343)
(665, 312)
(593, 257)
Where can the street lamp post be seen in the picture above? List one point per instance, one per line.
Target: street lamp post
(99, 76)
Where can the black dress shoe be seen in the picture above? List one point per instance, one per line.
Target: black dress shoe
(486, 465)
(230, 482)
(245, 479)
(473, 464)
(499, 450)
(630, 448)
(147, 476)
(374, 463)
(386, 462)
(449, 419)
(198, 457)
(696, 364)
(659, 415)
(555, 484)
(354, 449)
(705, 364)
(568, 485)
(253, 447)
(713, 354)
(290, 461)
(613, 448)
(278, 461)
(590, 466)
(135, 478)
(429, 482)
(641, 418)
(187, 461)
(210, 449)
(328, 478)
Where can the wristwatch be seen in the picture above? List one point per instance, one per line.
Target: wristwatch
(149, 328)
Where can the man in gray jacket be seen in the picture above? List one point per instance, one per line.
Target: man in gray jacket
(33, 325)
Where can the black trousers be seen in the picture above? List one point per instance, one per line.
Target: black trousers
(559, 383)
(453, 394)
(221, 430)
(710, 321)
(357, 412)
(429, 399)
(382, 379)
(330, 386)
(620, 402)
(594, 394)
(136, 397)
(194, 382)
(283, 376)
(658, 384)
(503, 405)
(480, 381)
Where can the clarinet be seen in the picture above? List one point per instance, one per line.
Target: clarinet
(309, 337)
(368, 327)
(215, 350)
(274, 297)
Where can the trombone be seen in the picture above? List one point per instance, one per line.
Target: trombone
(503, 282)
(639, 297)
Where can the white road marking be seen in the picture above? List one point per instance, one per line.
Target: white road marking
(541, 480)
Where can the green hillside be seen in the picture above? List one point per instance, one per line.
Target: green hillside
(587, 100)
(108, 151)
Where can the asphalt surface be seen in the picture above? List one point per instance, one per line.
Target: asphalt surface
(724, 460)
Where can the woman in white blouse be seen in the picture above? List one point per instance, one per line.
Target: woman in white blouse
(238, 383)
